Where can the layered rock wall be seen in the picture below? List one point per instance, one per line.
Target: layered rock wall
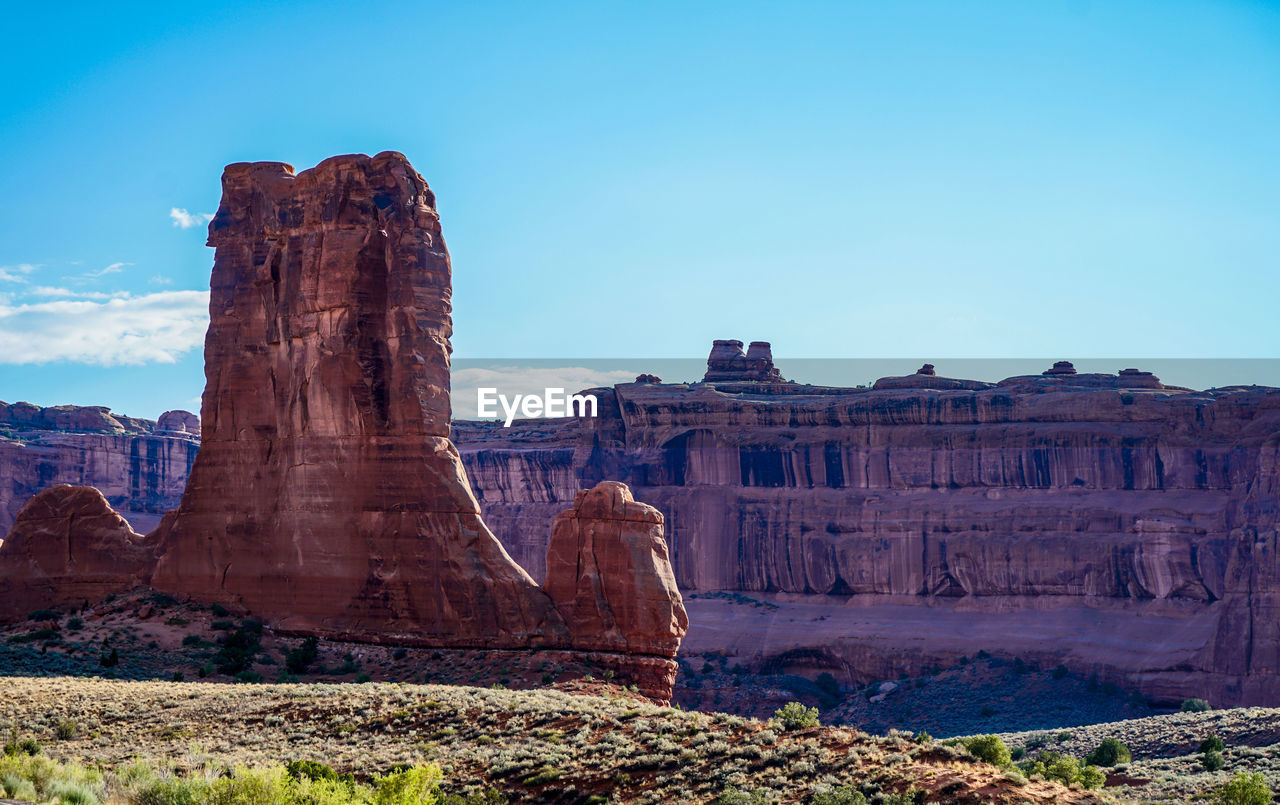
(139, 465)
(1081, 498)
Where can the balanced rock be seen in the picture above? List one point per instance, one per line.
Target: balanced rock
(610, 575)
(727, 363)
(68, 546)
(175, 422)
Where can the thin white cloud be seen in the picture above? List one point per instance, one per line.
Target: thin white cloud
(153, 328)
(160, 279)
(69, 293)
(114, 268)
(512, 380)
(16, 273)
(186, 220)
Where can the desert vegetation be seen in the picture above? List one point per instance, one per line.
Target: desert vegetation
(488, 745)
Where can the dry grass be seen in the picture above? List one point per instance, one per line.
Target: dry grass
(543, 745)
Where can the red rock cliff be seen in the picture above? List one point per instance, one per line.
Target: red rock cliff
(326, 494)
(1104, 521)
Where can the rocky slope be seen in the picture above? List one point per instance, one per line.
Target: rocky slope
(1107, 522)
(141, 466)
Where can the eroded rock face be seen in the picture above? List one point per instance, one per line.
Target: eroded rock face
(68, 546)
(609, 574)
(1104, 521)
(140, 468)
(727, 363)
(326, 494)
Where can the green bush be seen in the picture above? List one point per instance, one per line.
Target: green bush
(1213, 761)
(1195, 706)
(828, 685)
(1060, 672)
(66, 730)
(67, 792)
(795, 716)
(844, 795)
(172, 791)
(109, 659)
(44, 615)
(1212, 744)
(300, 659)
(1109, 753)
(239, 649)
(1244, 789)
(733, 796)
(989, 749)
(1064, 769)
(419, 785)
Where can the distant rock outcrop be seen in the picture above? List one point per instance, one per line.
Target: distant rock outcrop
(609, 574)
(727, 363)
(68, 547)
(140, 467)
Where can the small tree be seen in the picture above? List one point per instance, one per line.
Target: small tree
(990, 749)
(1109, 753)
(1212, 761)
(795, 716)
(1244, 789)
(1212, 744)
(1195, 706)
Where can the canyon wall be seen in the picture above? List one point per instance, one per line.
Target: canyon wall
(139, 465)
(1108, 522)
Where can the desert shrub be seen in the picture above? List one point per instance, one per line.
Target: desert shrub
(1018, 752)
(1064, 769)
(1109, 753)
(178, 676)
(74, 623)
(1212, 744)
(1195, 706)
(248, 786)
(419, 785)
(309, 770)
(300, 659)
(1213, 761)
(827, 684)
(109, 659)
(192, 640)
(66, 730)
(44, 615)
(989, 749)
(1060, 672)
(844, 795)
(223, 626)
(733, 796)
(18, 787)
(400, 653)
(1243, 789)
(922, 737)
(219, 611)
(795, 716)
(239, 648)
(69, 792)
(172, 791)
(22, 746)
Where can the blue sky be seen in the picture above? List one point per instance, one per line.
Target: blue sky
(915, 180)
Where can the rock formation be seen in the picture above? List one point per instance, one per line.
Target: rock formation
(68, 547)
(140, 467)
(326, 495)
(1104, 521)
(609, 574)
(727, 363)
